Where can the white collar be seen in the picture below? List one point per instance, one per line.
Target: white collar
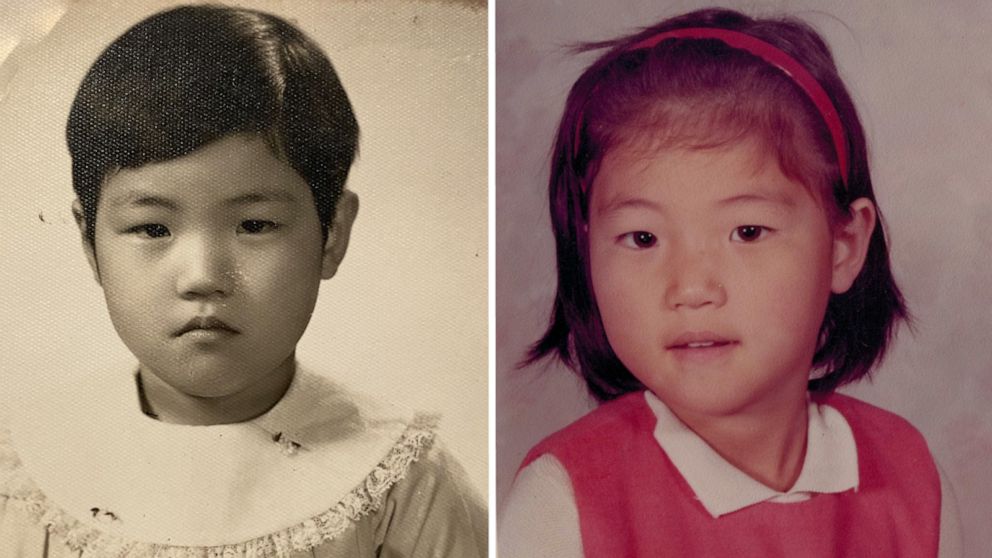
(89, 447)
(830, 464)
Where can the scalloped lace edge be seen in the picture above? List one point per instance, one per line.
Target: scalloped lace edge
(363, 500)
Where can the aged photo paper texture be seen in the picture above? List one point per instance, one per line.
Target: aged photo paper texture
(405, 318)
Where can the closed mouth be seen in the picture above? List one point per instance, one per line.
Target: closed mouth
(205, 323)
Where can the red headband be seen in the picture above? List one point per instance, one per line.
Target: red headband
(774, 56)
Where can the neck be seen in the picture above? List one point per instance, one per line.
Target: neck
(768, 443)
(167, 404)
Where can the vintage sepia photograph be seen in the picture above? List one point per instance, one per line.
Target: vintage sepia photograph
(244, 276)
(742, 278)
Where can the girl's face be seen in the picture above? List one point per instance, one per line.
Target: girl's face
(712, 272)
(210, 265)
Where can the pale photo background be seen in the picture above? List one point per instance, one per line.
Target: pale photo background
(921, 76)
(405, 319)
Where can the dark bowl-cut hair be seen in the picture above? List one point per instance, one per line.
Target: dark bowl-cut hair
(698, 94)
(191, 75)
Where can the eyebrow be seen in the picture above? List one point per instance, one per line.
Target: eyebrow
(262, 197)
(768, 198)
(620, 202)
(142, 199)
(761, 197)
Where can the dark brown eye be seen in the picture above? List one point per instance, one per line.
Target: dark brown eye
(639, 239)
(255, 226)
(150, 230)
(748, 233)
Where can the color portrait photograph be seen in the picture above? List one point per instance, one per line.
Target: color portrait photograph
(742, 278)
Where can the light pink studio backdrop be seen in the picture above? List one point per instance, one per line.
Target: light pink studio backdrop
(921, 75)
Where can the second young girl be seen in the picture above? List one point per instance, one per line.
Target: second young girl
(721, 270)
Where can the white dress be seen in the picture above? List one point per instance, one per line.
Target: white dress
(85, 473)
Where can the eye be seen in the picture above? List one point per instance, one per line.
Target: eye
(150, 230)
(639, 239)
(256, 226)
(749, 233)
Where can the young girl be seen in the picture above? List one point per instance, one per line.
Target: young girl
(210, 149)
(721, 271)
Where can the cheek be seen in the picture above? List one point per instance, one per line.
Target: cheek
(283, 285)
(129, 287)
(622, 295)
(136, 309)
(790, 294)
(290, 297)
(607, 283)
(627, 298)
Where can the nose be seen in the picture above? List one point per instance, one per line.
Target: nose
(204, 268)
(693, 281)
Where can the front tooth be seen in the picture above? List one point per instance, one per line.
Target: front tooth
(700, 344)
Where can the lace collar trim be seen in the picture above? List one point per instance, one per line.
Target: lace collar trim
(364, 499)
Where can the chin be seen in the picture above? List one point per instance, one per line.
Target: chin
(203, 381)
(205, 387)
(712, 403)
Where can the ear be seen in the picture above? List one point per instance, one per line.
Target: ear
(851, 240)
(339, 233)
(88, 248)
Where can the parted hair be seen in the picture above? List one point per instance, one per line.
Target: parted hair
(188, 76)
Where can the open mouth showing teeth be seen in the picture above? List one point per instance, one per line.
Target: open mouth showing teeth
(700, 340)
(702, 344)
